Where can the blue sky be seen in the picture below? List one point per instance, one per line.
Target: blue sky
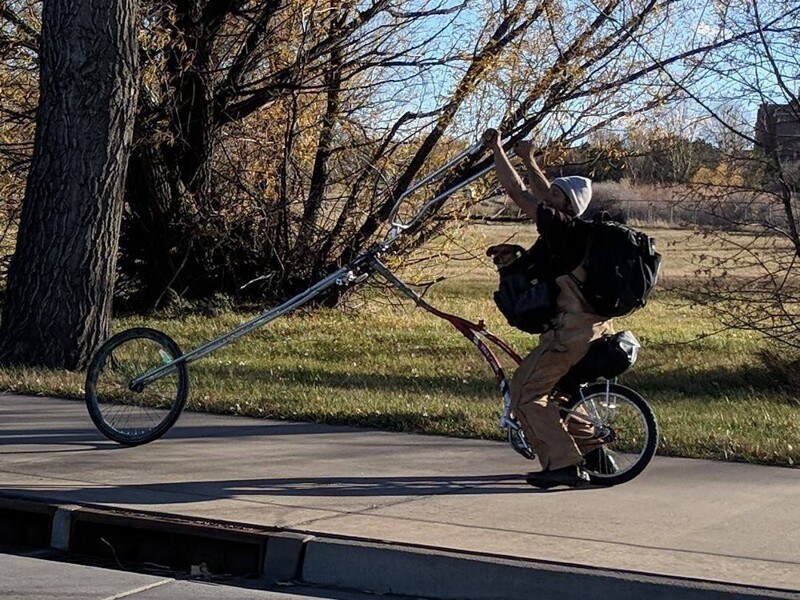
(686, 24)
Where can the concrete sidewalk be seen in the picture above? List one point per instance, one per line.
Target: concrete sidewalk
(729, 523)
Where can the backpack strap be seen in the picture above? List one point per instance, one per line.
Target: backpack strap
(598, 218)
(577, 281)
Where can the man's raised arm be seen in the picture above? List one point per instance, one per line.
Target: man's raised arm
(508, 176)
(537, 180)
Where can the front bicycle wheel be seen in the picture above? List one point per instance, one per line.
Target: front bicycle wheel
(622, 425)
(135, 416)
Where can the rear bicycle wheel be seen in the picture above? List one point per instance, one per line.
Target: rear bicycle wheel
(624, 427)
(134, 417)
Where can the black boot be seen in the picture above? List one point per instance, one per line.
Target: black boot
(571, 476)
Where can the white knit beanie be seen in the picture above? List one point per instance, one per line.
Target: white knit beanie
(577, 189)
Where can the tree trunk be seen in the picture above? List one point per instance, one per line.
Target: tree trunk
(168, 177)
(58, 303)
(151, 245)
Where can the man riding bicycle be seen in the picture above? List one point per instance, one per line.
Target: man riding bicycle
(557, 256)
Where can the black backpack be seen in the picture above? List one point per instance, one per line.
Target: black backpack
(621, 265)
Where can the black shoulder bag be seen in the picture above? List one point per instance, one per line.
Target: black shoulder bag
(528, 306)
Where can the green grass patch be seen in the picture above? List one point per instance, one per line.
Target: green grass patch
(403, 370)
(393, 366)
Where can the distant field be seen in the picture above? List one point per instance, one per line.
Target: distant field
(381, 362)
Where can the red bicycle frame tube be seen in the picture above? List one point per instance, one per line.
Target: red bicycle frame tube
(474, 332)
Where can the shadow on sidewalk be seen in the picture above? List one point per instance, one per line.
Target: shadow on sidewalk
(76, 440)
(267, 490)
(91, 439)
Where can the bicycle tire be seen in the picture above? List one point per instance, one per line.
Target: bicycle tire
(602, 390)
(156, 413)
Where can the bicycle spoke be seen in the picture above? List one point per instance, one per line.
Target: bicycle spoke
(125, 415)
(622, 427)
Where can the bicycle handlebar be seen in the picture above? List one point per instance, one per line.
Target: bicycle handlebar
(398, 227)
(455, 160)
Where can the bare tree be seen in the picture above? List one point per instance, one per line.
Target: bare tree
(219, 68)
(357, 116)
(272, 138)
(752, 279)
(58, 301)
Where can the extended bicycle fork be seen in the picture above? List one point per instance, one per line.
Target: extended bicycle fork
(355, 273)
(358, 271)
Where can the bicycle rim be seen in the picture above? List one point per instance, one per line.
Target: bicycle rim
(135, 417)
(625, 422)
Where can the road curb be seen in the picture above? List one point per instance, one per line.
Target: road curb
(390, 569)
(273, 554)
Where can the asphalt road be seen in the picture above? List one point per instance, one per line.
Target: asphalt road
(30, 578)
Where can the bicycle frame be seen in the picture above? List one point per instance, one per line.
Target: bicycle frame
(476, 333)
(357, 271)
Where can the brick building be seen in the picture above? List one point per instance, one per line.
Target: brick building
(778, 127)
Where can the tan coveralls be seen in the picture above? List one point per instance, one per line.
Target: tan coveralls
(559, 349)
